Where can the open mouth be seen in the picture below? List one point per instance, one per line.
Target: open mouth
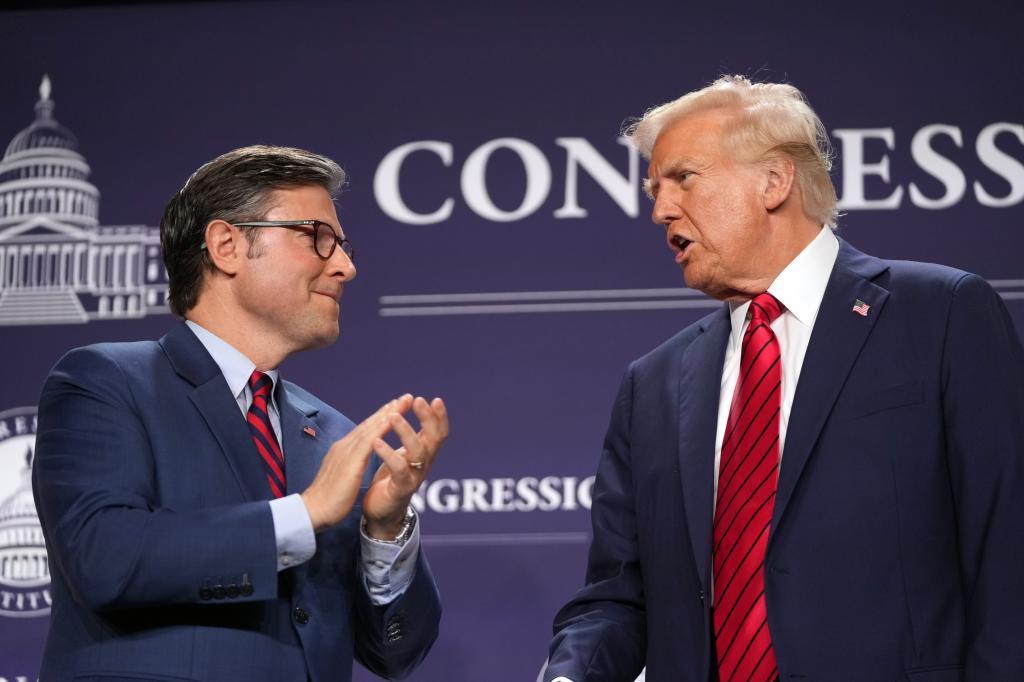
(680, 242)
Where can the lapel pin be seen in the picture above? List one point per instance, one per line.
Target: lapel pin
(309, 431)
(861, 308)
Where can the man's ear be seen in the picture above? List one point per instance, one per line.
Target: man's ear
(224, 245)
(780, 174)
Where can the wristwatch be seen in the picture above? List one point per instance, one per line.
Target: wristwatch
(403, 534)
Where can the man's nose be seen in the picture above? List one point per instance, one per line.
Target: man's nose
(341, 265)
(665, 210)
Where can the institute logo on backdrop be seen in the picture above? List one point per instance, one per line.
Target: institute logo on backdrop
(24, 574)
(58, 265)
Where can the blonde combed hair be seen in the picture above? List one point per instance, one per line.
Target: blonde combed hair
(771, 119)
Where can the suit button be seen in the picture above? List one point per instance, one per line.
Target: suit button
(233, 591)
(219, 592)
(300, 615)
(700, 595)
(246, 589)
(205, 593)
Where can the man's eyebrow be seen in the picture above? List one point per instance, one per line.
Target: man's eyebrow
(337, 228)
(649, 187)
(675, 166)
(670, 169)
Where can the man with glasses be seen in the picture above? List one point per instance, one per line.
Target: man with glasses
(206, 519)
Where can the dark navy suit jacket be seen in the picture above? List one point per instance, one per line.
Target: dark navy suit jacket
(161, 542)
(896, 550)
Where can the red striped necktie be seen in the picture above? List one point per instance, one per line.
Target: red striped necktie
(747, 479)
(262, 432)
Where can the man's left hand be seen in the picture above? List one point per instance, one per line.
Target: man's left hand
(404, 469)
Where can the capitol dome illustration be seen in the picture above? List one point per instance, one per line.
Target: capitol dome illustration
(58, 264)
(22, 548)
(42, 173)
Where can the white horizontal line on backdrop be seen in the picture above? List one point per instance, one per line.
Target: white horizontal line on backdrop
(459, 540)
(499, 308)
(537, 295)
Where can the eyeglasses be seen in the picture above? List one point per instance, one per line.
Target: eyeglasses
(325, 239)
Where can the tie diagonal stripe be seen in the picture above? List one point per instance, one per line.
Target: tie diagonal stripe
(730, 432)
(748, 553)
(724, 483)
(738, 639)
(767, 660)
(747, 420)
(269, 458)
(762, 487)
(264, 431)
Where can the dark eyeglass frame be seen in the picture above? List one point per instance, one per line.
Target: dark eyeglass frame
(345, 244)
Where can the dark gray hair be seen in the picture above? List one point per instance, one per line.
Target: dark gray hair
(235, 187)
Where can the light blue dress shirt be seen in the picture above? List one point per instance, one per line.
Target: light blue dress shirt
(389, 568)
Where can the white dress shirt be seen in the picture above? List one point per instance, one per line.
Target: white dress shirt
(800, 287)
(389, 568)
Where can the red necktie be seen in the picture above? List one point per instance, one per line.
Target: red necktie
(747, 479)
(262, 432)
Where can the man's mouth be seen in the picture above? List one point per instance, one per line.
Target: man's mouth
(680, 243)
(329, 294)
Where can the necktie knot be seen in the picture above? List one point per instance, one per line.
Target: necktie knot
(260, 384)
(765, 308)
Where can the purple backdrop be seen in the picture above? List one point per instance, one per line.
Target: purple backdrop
(514, 184)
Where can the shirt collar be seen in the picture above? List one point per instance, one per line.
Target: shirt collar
(800, 286)
(233, 364)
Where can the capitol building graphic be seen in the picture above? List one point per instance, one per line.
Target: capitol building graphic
(24, 573)
(58, 265)
(22, 550)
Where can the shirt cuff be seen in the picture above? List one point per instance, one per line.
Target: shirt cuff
(561, 679)
(389, 568)
(293, 531)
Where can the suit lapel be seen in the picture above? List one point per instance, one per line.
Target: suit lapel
(838, 336)
(304, 442)
(700, 380)
(213, 399)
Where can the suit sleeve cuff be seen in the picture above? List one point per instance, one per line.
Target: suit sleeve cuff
(389, 568)
(293, 531)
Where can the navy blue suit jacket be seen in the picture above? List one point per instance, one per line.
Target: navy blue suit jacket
(896, 550)
(161, 542)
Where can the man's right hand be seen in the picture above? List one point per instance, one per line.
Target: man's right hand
(330, 496)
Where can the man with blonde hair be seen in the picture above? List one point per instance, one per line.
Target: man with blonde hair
(822, 480)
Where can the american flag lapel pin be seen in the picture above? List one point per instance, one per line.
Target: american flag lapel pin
(861, 308)
(309, 431)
